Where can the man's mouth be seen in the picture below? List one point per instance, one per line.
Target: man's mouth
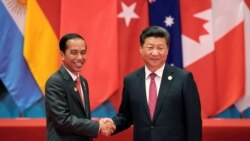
(79, 64)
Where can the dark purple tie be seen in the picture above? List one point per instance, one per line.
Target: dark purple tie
(152, 95)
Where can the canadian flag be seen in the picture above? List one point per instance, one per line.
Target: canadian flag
(216, 50)
(244, 102)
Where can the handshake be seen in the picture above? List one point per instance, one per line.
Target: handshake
(107, 126)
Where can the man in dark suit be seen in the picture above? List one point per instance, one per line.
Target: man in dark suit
(161, 101)
(67, 96)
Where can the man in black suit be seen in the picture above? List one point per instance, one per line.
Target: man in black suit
(174, 113)
(67, 96)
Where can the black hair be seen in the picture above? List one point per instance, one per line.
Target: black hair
(154, 31)
(65, 38)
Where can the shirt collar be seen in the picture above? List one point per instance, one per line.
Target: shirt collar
(158, 72)
(73, 76)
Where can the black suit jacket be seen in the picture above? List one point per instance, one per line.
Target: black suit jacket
(177, 115)
(67, 119)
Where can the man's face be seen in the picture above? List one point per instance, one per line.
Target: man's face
(75, 55)
(154, 52)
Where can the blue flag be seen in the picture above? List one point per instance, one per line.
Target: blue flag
(14, 72)
(166, 13)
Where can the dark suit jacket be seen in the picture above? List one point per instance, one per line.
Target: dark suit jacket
(177, 115)
(67, 119)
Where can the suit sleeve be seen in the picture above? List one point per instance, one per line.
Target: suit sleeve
(58, 111)
(123, 119)
(192, 109)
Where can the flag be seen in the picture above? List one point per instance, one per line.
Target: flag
(8, 108)
(213, 49)
(41, 49)
(244, 103)
(167, 14)
(132, 17)
(96, 21)
(14, 71)
(210, 41)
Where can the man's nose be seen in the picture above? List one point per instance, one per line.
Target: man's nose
(80, 56)
(155, 51)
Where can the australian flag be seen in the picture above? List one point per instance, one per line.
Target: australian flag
(166, 13)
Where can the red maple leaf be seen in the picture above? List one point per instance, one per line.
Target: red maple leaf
(248, 3)
(191, 25)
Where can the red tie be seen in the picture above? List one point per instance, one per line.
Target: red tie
(152, 95)
(78, 86)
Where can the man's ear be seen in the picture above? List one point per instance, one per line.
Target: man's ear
(140, 50)
(62, 55)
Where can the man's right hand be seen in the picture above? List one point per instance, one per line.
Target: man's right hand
(107, 126)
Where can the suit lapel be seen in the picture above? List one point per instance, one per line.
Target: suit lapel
(142, 91)
(166, 82)
(86, 98)
(71, 86)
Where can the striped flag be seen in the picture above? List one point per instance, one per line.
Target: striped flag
(41, 49)
(206, 39)
(14, 71)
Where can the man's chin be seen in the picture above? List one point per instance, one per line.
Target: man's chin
(78, 69)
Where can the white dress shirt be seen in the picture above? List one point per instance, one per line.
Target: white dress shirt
(158, 79)
(74, 78)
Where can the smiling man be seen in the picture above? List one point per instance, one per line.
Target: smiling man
(161, 101)
(67, 96)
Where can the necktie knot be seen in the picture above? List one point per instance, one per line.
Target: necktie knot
(78, 86)
(77, 81)
(152, 76)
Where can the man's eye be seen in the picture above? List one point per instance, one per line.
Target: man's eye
(73, 53)
(150, 48)
(160, 48)
(83, 53)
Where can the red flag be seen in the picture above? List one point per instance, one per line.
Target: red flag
(132, 19)
(96, 21)
(213, 50)
(244, 104)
